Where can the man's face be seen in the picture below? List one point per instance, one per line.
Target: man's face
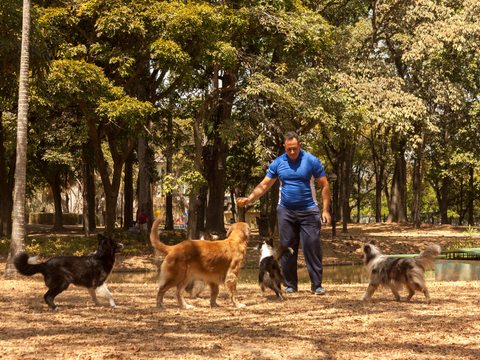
(292, 148)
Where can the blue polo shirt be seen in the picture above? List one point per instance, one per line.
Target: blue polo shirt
(297, 180)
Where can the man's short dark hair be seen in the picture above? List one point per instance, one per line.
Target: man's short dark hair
(290, 135)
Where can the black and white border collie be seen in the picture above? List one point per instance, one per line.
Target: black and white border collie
(270, 275)
(396, 273)
(88, 271)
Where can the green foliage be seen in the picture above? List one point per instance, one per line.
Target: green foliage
(80, 245)
(190, 177)
(49, 218)
(467, 242)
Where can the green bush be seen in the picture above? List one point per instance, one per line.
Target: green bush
(467, 242)
(4, 245)
(49, 218)
(81, 245)
(41, 218)
(71, 219)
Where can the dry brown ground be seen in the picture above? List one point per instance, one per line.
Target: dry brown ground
(305, 326)
(334, 326)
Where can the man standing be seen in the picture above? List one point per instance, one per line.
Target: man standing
(299, 217)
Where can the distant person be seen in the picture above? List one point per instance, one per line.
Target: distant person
(299, 218)
(134, 227)
(143, 220)
(43, 209)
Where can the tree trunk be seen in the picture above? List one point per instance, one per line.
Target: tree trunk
(67, 199)
(379, 168)
(471, 195)
(202, 205)
(417, 194)
(128, 191)
(19, 226)
(144, 179)
(234, 207)
(7, 181)
(443, 203)
(216, 165)
(169, 198)
(398, 204)
(418, 170)
(379, 179)
(198, 126)
(345, 184)
(86, 208)
(359, 184)
(218, 160)
(57, 199)
(240, 210)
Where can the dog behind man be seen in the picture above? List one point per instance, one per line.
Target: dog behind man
(270, 275)
(396, 273)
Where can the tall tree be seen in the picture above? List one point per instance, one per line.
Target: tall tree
(19, 222)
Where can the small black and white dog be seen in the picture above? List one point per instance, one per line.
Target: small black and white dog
(270, 275)
(88, 271)
(396, 273)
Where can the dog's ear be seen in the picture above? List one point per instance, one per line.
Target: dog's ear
(372, 242)
(258, 247)
(269, 242)
(100, 238)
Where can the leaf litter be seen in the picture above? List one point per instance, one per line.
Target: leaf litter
(304, 326)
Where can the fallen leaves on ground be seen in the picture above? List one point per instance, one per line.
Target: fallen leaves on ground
(304, 326)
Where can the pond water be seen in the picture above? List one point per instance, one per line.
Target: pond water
(331, 275)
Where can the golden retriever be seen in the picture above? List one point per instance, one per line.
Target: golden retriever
(216, 263)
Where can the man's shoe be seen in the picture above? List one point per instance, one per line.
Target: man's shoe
(319, 291)
(289, 290)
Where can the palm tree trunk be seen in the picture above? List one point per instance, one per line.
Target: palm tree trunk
(19, 226)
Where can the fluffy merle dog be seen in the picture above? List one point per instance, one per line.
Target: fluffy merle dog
(88, 271)
(270, 275)
(396, 273)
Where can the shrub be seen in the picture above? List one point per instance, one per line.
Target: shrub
(49, 218)
(467, 242)
(81, 245)
(41, 218)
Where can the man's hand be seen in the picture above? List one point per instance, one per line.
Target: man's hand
(242, 201)
(326, 218)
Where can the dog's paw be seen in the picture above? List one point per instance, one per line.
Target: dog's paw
(239, 306)
(56, 308)
(160, 305)
(214, 304)
(99, 303)
(187, 307)
(291, 250)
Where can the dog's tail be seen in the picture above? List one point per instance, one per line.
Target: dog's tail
(426, 258)
(160, 248)
(27, 265)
